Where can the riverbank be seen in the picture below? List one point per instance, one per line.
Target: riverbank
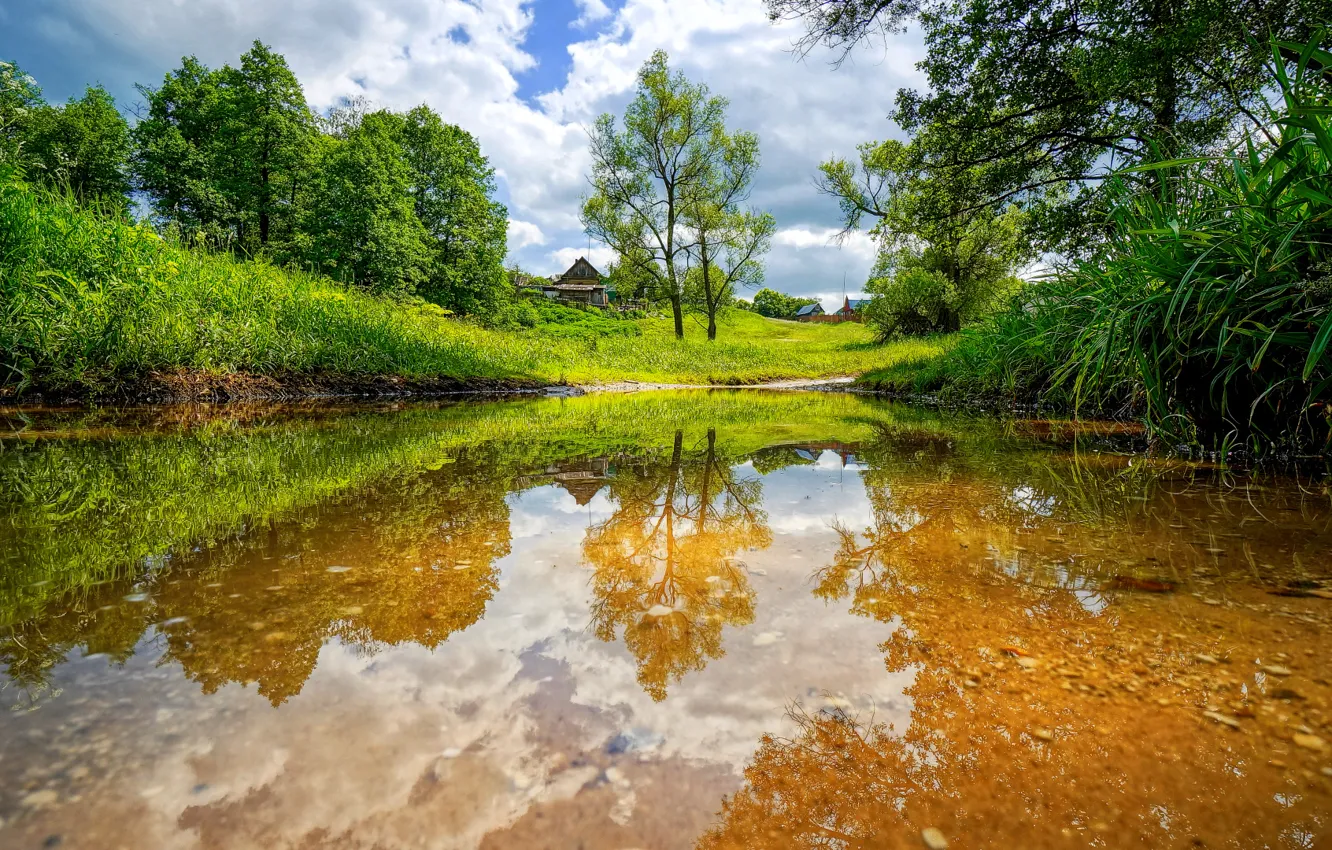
(99, 308)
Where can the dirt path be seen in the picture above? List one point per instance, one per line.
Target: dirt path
(637, 386)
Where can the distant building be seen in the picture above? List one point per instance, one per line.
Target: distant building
(808, 312)
(850, 309)
(581, 284)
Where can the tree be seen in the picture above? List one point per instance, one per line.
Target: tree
(631, 277)
(644, 177)
(19, 94)
(944, 261)
(83, 146)
(223, 151)
(175, 151)
(1055, 94)
(727, 240)
(778, 305)
(267, 131)
(452, 185)
(361, 223)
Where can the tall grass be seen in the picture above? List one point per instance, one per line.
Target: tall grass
(92, 303)
(1209, 309)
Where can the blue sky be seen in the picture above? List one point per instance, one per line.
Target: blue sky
(527, 78)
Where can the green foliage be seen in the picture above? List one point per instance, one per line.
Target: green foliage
(361, 221)
(923, 288)
(560, 321)
(1209, 309)
(19, 94)
(451, 188)
(729, 237)
(82, 146)
(90, 303)
(224, 151)
(392, 202)
(944, 261)
(645, 176)
(778, 305)
(1034, 98)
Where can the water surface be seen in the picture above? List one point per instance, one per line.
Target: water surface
(664, 620)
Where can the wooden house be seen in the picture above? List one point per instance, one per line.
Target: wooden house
(850, 309)
(581, 284)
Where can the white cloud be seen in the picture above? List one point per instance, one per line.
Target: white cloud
(524, 233)
(592, 10)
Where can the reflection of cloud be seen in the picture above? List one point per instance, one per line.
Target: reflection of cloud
(357, 755)
(808, 498)
(549, 508)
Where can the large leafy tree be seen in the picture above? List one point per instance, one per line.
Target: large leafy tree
(645, 175)
(452, 188)
(84, 145)
(361, 225)
(944, 259)
(19, 95)
(1024, 96)
(175, 159)
(268, 133)
(223, 150)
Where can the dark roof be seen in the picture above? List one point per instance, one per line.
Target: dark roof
(855, 303)
(810, 310)
(581, 270)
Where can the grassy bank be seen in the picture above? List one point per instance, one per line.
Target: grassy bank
(1207, 311)
(94, 305)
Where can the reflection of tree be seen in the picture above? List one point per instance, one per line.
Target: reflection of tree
(664, 565)
(413, 562)
(1036, 700)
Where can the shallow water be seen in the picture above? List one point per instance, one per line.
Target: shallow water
(663, 620)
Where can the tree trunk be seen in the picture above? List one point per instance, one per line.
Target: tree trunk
(708, 300)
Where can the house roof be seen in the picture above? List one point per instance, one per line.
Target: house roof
(581, 270)
(810, 310)
(855, 303)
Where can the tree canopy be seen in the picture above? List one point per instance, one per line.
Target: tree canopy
(778, 305)
(668, 192)
(1036, 102)
(395, 202)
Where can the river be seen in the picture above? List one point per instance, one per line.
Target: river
(697, 619)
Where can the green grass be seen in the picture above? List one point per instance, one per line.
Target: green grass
(1208, 312)
(91, 304)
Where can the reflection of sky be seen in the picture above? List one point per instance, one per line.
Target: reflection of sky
(360, 752)
(545, 509)
(803, 499)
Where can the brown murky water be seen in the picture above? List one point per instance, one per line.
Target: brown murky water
(670, 620)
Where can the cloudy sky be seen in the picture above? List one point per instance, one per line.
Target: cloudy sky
(527, 77)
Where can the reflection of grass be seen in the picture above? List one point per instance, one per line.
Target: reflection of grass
(77, 511)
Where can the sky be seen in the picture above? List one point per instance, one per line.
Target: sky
(527, 78)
